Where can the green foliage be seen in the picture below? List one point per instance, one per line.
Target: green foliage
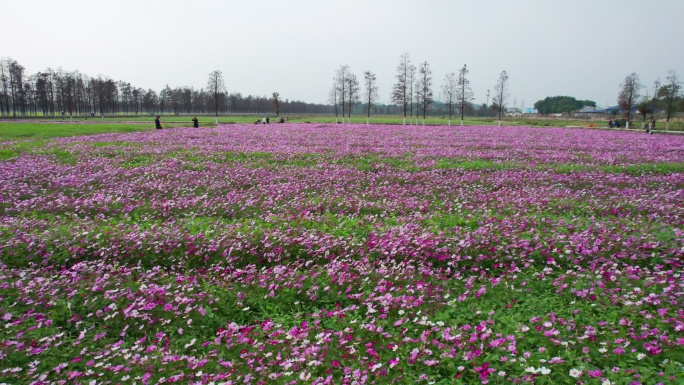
(561, 104)
(635, 169)
(8, 153)
(451, 163)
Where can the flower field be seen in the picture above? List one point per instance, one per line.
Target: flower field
(343, 254)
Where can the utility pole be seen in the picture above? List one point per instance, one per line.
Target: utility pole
(487, 105)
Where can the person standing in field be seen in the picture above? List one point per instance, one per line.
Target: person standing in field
(157, 123)
(195, 123)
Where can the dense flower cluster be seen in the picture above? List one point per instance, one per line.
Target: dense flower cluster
(343, 255)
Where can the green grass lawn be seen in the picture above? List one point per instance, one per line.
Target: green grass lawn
(208, 120)
(30, 130)
(39, 128)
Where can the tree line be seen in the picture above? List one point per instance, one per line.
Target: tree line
(665, 96)
(60, 92)
(413, 94)
(634, 97)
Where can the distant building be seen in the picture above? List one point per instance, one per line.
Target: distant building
(617, 110)
(591, 110)
(612, 110)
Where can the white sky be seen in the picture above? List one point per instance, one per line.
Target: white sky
(580, 48)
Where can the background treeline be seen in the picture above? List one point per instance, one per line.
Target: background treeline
(561, 104)
(56, 92)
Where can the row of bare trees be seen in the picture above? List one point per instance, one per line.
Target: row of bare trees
(52, 93)
(665, 96)
(412, 92)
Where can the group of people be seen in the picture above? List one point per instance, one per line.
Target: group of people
(619, 123)
(158, 126)
(267, 120)
(195, 122)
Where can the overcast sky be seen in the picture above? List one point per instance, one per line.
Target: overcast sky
(580, 48)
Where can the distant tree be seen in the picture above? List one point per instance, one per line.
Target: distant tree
(424, 91)
(465, 93)
(332, 98)
(561, 104)
(4, 88)
(371, 89)
(400, 94)
(341, 79)
(413, 84)
(165, 100)
(150, 102)
(15, 79)
(449, 93)
(501, 94)
(216, 86)
(629, 94)
(276, 103)
(352, 93)
(644, 108)
(670, 93)
(654, 99)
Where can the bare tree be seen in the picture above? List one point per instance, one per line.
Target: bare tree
(16, 78)
(371, 88)
(332, 98)
(4, 83)
(465, 93)
(216, 85)
(654, 100)
(449, 93)
(400, 93)
(670, 93)
(341, 79)
(629, 94)
(412, 85)
(424, 89)
(352, 93)
(501, 94)
(276, 103)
